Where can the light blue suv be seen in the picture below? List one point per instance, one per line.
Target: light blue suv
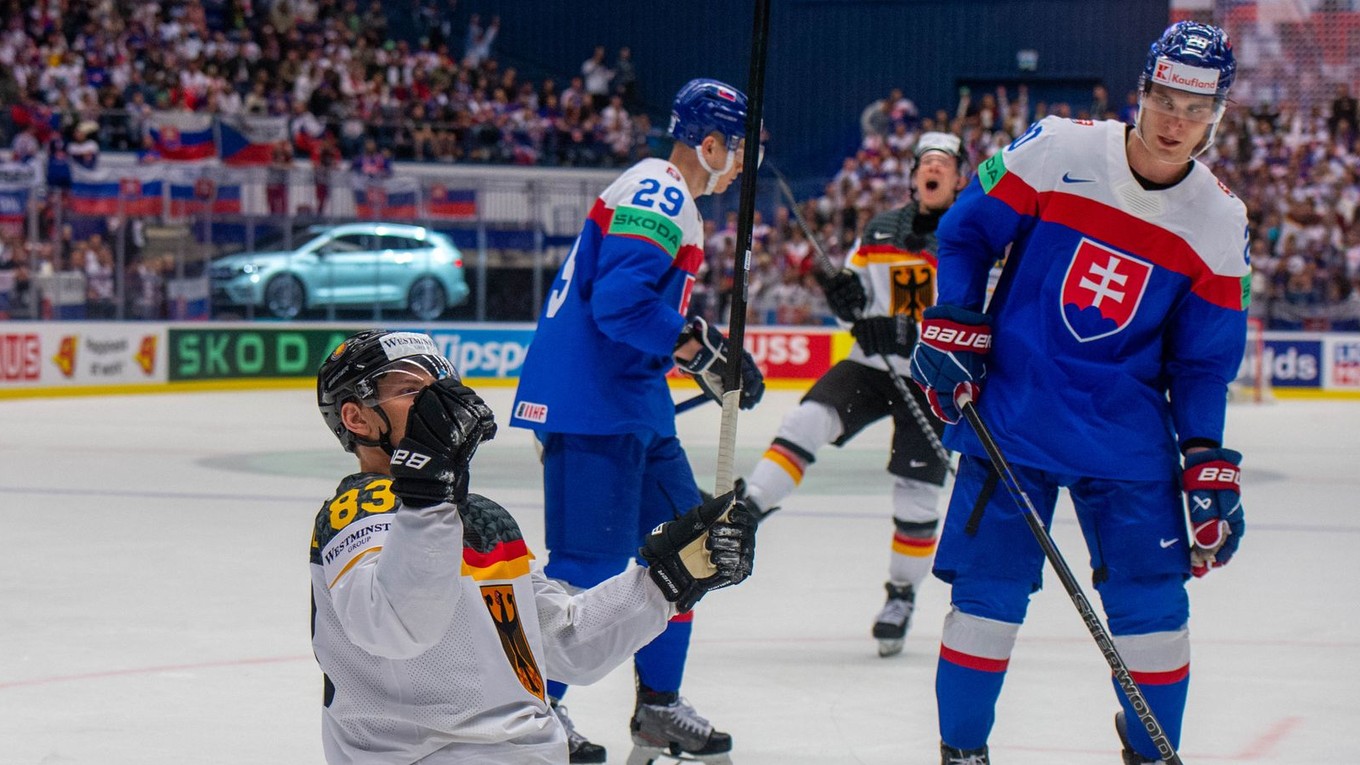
(355, 265)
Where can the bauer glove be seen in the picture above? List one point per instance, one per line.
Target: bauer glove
(1213, 495)
(949, 362)
(885, 335)
(710, 363)
(845, 294)
(710, 547)
(446, 423)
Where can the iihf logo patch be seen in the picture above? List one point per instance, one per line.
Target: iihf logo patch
(528, 410)
(1102, 290)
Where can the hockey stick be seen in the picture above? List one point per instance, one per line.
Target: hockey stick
(692, 403)
(1102, 636)
(827, 267)
(736, 322)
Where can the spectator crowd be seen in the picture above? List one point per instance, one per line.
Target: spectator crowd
(81, 76)
(1297, 170)
(78, 76)
(329, 66)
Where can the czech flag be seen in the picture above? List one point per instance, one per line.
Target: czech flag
(250, 140)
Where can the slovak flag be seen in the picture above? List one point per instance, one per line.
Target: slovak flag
(450, 204)
(181, 137)
(200, 195)
(99, 193)
(18, 182)
(390, 198)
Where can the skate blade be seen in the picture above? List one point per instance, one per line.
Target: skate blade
(892, 647)
(650, 755)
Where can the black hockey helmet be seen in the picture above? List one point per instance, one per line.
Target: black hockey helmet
(352, 370)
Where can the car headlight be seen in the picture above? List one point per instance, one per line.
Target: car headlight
(231, 272)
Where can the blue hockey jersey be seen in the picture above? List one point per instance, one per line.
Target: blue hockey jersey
(1120, 315)
(603, 346)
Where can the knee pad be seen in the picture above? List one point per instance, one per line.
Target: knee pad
(810, 426)
(1003, 600)
(1146, 604)
(916, 504)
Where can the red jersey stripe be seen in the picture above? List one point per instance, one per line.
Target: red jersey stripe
(969, 661)
(1170, 677)
(503, 551)
(1142, 240)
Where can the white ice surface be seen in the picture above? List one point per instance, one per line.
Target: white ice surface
(154, 598)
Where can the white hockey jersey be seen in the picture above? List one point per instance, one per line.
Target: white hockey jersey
(895, 261)
(436, 631)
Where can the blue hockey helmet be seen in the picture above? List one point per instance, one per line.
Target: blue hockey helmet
(705, 106)
(1193, 57)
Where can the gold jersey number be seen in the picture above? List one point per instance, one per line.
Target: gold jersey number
(374, 497)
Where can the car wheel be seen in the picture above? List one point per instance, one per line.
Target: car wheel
(427, 300)
(284, 297)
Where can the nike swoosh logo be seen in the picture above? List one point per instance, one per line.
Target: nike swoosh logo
(879, 235)
(1067, 178)
(916, 463)
(1165, 543)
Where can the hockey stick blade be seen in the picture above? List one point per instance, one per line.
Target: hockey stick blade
(694, 402)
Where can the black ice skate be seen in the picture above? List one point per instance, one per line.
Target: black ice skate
(890, 628)
(579, 747)
(951, 756)
(676, 733)
(1131, 757)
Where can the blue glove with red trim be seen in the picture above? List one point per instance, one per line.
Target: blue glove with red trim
(949, 362)
(1213, 495)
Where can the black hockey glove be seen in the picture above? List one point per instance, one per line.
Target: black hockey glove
(701, 551)
(446, 424)
(845, 294)
(710, 363)
(886, 335)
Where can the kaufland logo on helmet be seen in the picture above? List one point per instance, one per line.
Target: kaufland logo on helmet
(1185, 77)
